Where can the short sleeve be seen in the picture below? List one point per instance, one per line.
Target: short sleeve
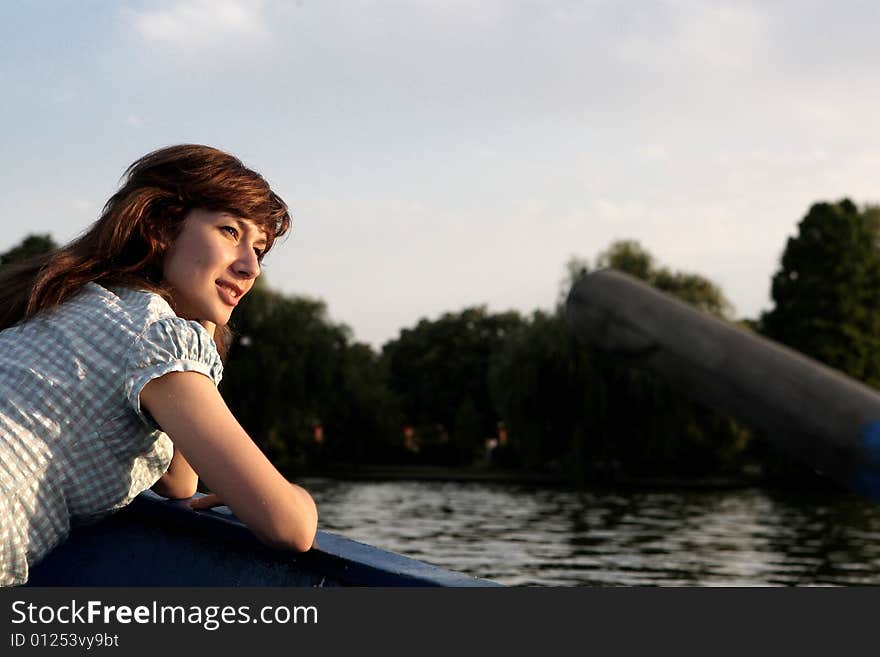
(168, 345)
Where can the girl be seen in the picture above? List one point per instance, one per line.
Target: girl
(110, 356)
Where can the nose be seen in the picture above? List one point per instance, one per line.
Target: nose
(247, 265)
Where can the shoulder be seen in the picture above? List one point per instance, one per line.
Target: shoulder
(96, 315)
(165, 342)
(139, 307)
(153, 322)
(126, 302)
(107, 319)
(115, 310)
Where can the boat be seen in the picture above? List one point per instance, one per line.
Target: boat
(159, 542)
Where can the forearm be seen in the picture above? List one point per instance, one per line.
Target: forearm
(179, 481)
(293, 528)
(190, 410)
(307, 513)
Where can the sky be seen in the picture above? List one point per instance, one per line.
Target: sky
(442, 154)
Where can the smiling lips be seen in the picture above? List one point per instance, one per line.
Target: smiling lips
(229, 292)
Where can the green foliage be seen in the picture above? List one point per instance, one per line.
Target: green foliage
(827, 290)
(438, 371)
(575, 268)
(587, 414)
(543, 384)
(30, 246)
(654, 429)
(630, 257)
(695, 289)
(657, 431)
(291, 370)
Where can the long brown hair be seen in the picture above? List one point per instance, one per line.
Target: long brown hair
(139, 222)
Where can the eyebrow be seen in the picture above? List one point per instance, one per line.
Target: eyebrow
(248, 226)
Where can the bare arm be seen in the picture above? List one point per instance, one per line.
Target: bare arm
(179, 481)
(191, 411)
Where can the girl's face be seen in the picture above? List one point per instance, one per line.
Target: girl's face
(212, 264)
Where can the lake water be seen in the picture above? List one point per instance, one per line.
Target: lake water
(530, 536)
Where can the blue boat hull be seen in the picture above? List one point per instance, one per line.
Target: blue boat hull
(156, 542)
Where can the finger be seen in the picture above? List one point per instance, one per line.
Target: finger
(205, 502)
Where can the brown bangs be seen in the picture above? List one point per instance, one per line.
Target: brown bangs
(261, 206)
(202, 176)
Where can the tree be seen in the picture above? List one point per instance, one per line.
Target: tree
(30, 246)
(300, 386)
(439, 368)
(545, 386)
(827, 290)
(631, 258)
(628, 256)
(633, 420)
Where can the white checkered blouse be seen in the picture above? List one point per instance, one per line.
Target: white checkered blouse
(74, 443)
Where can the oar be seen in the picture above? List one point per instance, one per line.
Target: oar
(819, 415)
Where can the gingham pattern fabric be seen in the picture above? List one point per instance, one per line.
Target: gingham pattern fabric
(74, 442)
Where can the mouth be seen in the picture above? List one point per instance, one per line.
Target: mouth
(229, 292)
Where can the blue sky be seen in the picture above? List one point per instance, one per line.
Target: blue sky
(441, 154)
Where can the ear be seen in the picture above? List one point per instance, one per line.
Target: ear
(164, 224)
(161, 236)
(157, 247)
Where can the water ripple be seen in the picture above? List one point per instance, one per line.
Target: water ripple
(525, 536)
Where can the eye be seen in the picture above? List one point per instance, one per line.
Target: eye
(260, 253)
(232, 231)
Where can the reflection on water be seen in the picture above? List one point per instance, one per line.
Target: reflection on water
(521, 535)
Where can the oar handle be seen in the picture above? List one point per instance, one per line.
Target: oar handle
(821, 416)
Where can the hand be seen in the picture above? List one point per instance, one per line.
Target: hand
(208, 501)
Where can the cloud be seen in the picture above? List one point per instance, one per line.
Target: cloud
(652, 153)
(83, 205)
(193, 26)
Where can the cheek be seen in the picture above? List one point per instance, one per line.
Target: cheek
(183, 264)
(190, 259)
(179, 270)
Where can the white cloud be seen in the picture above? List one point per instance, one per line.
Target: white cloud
(193, 26)
(83, 206)
(652, 153)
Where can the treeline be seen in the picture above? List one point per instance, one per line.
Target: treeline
(504, 390)
(468, 388)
